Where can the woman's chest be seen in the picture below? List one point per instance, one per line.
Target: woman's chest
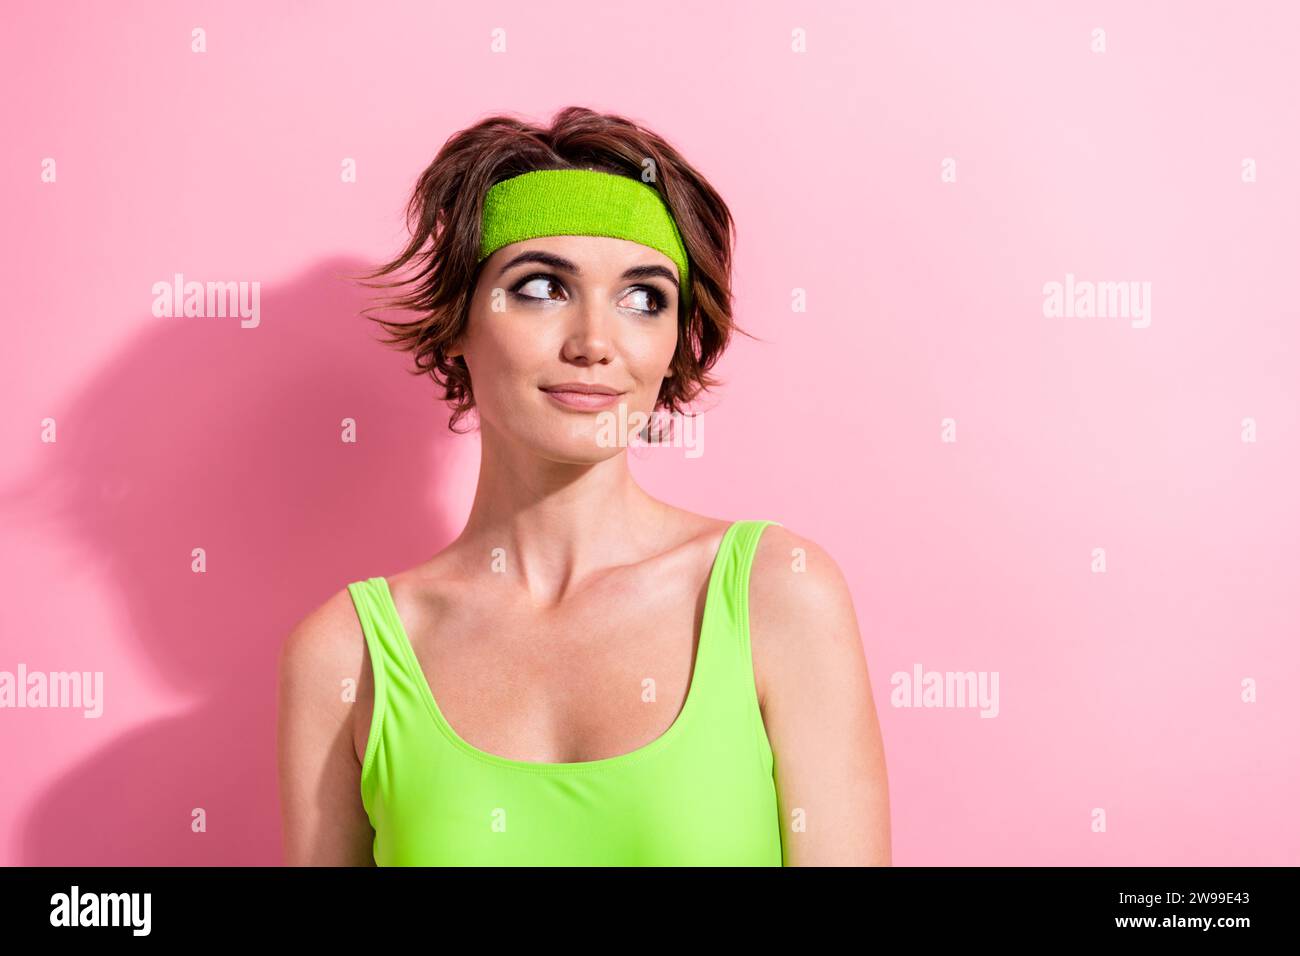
(702, 800)
(581, 685)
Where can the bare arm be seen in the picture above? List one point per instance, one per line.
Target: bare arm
(324, 822)
(816, 698)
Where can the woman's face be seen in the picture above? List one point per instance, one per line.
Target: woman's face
(561, 309)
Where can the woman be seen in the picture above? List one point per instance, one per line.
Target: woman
(586, 675)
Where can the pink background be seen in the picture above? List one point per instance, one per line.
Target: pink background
(1119, 691)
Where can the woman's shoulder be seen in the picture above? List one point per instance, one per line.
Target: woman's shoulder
(802, 623)
(420, 592)
(329, 636)
(796, 586)
(784, 553)
(325, 642)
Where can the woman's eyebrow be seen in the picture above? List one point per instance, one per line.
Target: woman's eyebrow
(543, 258)
(649, 272)
(566, 265)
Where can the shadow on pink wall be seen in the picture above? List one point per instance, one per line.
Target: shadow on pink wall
(204, 434)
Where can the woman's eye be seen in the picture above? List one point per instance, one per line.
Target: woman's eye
(541, 286)
(645, 300)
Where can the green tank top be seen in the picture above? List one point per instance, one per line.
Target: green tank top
(701, 794)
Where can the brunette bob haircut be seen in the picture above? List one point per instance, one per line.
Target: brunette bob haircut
(444, 215)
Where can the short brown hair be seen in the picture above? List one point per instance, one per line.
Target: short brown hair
(444, 217)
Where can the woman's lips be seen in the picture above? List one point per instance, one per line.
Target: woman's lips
(582, 401)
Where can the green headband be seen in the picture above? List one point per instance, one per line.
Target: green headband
(581, 202)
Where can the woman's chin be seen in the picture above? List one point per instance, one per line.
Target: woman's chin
(577, 442)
